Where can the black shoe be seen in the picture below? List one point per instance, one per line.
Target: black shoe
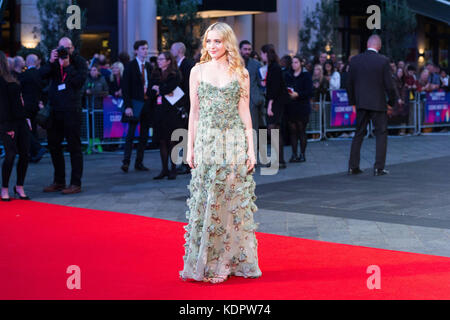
(161, 175)
(282, 165)
(354, 171)
(38, 156)
(293, 159)
(183, 169)
(6, 199)
(172, 175)
(380, 172)
(301, 158)
(140, 167)
(20, 197)
(124, 168)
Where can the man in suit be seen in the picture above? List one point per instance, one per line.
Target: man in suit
(370, 81)
(135, 86)
(256, 90)
(178, 50)
(32, 87)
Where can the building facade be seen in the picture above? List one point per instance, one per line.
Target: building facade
(113, 25)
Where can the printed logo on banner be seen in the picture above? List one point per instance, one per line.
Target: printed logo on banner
(112, 116)
(342, 114)
(437, 107)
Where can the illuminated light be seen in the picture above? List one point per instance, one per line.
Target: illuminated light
(30, 44)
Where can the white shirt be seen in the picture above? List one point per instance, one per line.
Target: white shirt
(180, 61)
(373, 49)
(140, 63)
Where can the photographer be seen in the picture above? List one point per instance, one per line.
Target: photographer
(67, 72)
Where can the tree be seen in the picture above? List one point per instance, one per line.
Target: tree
(181, 23)
(53, 17)
(319, 30)
(398, 23)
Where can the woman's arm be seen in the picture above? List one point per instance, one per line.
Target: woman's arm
(168, 85)
(244, 113)
(193, 114)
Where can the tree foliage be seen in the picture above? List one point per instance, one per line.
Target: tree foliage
(319, 28)
(53, 24)
(180, 23)
(398, 23)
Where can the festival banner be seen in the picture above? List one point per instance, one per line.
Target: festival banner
(342, 114)
(112, 115)
(437, 107)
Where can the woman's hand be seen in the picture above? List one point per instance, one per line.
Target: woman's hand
(293, 94)
(129, 112)
(11, 134)
(190, 158)
(269, 109)
(251, 160)
(156, 88)
(29, 124)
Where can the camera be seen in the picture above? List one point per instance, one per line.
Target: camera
(62, 52)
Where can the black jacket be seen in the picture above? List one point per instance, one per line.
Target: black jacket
(302, 84)
(70, 98)
(275, 85)
(11, 108)
(132, 87)
(185, 69)
(32, 86)
(370, 81)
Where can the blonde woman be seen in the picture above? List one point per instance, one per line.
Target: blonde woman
(115, 80)
(220, 236)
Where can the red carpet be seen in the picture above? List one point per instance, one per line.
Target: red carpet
(123, 256)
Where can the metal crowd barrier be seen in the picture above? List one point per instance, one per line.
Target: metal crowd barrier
(97, 139)
(421, 102)
(315, 122)
(407, 120)
(319, 125)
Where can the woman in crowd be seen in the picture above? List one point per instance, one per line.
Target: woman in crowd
(165, 79)
(276, 95)
(332, 76)
(96, 87)
(115, 89)
(14, 131)
(299, 85)
(320, 84)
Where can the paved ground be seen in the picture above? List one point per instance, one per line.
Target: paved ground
(408, 210)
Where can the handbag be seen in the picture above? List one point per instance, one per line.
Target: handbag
(43, 117)
(137, 110)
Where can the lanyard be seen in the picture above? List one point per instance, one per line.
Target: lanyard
(63, 74)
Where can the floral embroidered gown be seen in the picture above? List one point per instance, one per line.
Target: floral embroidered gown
(220, 236)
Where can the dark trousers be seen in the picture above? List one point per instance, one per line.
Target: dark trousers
(379, 119)
(66, 124)
(35, 146)
(143, 138)
(18, 145)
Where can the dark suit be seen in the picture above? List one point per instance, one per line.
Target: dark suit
(185, 69)
(133, 89)
(32, 87)
(369, 82)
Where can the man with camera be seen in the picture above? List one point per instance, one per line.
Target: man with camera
(67, 72)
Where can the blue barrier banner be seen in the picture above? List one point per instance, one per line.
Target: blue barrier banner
(112, 115)
(342, 114)
(437, 107)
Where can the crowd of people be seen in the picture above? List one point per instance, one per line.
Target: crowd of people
(282, 93)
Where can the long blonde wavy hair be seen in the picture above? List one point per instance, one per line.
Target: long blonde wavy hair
(235, 61)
